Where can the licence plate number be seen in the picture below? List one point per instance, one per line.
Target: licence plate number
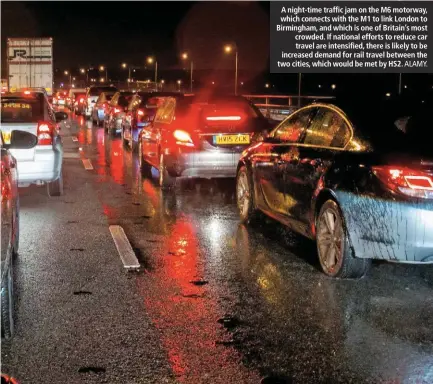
(6, 137)
(231, 139)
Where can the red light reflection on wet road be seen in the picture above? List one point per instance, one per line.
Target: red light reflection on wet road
(187, 315)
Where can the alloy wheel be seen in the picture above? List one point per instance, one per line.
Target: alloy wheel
(243, 194)
(330, 240)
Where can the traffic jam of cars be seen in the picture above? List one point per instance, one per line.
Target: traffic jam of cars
(185, 234)
(353, 183)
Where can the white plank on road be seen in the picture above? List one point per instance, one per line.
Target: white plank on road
(124, 248)
(87, 164)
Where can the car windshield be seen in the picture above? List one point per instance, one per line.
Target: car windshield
(21, 110)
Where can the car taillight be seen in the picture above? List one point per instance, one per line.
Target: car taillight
(410, 182)
(45, 133)
(81, 100)
(6, 189)
(117, 110)
(140, 112)
(223, 118)
(183, 138)
(27, 92)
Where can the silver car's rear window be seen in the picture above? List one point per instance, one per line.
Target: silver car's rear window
(21, 110)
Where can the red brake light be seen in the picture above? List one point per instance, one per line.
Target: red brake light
(140, 112)
(45, 133)
(223, 118)
(27, 92)
(6, 190)
(117, 110)
(405, 180)
(183, 138)
(81, 100)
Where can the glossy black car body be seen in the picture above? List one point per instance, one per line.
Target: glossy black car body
(353, 170)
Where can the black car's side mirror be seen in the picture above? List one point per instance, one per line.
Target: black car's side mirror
(22, 140)
(60, 116)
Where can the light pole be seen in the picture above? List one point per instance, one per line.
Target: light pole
(150, 60)
(102, 68)
(228, 49)
(185, 57)
(85, 71)
(70, 77)
(124, 66)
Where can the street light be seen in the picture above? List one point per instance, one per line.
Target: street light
(102, 68)
(70, 77)
(228, 49)
(333, 86)
(101, 79)
(266, 85)
(185, 57)
(179, 82)
(150, 60)
(124, 65)
(82, 70)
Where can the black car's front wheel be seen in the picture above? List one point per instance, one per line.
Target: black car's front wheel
(245, 196)
(335, 255)
(7, 305)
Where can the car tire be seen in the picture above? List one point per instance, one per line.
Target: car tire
(16, 229)
(333, 246)
(7, 305)
(165, 180)
(145, 167)
(55, 188)
(245, 196)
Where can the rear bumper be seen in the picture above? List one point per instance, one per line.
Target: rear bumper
(389, 230)
(203, 164)
(45, 167)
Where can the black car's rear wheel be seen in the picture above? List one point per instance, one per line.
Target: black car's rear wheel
(335, 255)
(7, 305)
(245, 196)
(165, 180)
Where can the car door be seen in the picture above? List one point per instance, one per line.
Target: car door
(272, 160)
(328, 134)
(8, 194)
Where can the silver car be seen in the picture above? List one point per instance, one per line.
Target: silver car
(31, 112)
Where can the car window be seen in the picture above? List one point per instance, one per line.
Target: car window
(291, 129)
(21, 110)
(165, 113)
(328, 129)
(115, 98)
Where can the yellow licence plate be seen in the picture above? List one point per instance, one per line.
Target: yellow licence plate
(6, 137)
(231, 139)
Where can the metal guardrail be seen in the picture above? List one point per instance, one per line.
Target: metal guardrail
(274, 111)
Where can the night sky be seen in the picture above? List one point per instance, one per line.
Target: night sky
(109, 33)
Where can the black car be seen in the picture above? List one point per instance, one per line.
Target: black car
(200, 137)
(348, 178)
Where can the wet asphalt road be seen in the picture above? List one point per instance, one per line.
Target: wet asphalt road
(214, 302)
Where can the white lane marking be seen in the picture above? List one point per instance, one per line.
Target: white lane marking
(69, 155)
(124, 248)
(87, 164)
(74, 138)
